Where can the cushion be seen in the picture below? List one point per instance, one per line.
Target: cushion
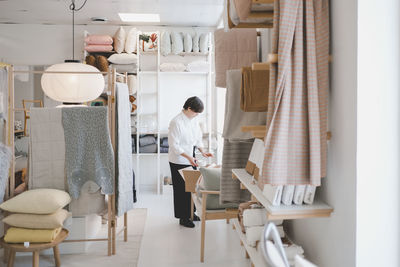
(90, 60)
(211, 177)
(165, 43)
(37, 201)
(195, 43)
(99, 48)
(119, 40)
(187, 42)
(123, 58)
(203, 44)
(98, 39)
(174, 67)
(21, 235)
(148, 41)
(102, 63)
(176, 43)
(131, 42)
(35, 221)
(132, 84)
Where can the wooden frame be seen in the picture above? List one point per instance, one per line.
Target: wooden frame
(253, 15)
(206, 215)
(26, 111)
(112, 217)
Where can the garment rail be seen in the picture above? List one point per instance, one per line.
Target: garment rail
(111, 208)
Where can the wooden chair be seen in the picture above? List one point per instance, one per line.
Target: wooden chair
(35, 248)
(26, 111)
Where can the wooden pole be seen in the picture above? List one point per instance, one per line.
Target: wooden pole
(113, 118)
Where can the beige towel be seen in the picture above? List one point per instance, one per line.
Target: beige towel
(254, 90)
(233, 50)
(298, 93)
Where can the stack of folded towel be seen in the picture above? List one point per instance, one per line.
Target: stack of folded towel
(164, 145)
(147, 144)
(98, 43)
(37, 215)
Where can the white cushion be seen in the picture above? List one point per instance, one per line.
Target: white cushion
(165, 43)
(132, 84)
(119, 40)
(203, 43)
(195, 43)
(187, 43)
(176, 43)
(131, 41)
(37, 201)
(123, 58)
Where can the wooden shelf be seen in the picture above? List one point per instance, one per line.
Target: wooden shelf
(259, 131)
(255, 257)
(183, 72)
(282, 212)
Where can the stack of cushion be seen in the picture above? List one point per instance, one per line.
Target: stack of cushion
(210, 181)
(177, 42)
(98, 43)
(38, 215)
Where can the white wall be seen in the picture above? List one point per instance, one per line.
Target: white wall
(330, 242)
(378, 122)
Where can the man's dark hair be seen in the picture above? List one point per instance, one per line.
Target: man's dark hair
(195, 104)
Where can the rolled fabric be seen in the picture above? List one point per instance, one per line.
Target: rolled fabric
(21, 235)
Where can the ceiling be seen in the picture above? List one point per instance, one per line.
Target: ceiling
(204, 13)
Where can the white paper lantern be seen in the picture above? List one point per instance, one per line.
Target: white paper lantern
(72, 87)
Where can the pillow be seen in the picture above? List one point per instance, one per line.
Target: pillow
(119, 40)
(203, 43)
(132, 84)
(195, 43)
(98, 39)
(187, 43)
(176, 43)
(34, 221)
(148, 41)
(123, 58)
(102, 63)
(37, 201)
(90, 60)
(211, 177)
(165, 43)
(130, 43)
(98, 48)
(172, 67)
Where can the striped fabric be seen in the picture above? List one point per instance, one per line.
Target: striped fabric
(295, 143)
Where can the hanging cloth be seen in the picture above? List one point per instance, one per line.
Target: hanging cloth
(295, 143)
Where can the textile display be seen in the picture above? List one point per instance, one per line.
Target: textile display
(254, 90)
(5, 161)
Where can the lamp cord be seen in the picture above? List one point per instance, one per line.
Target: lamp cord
(73, 8)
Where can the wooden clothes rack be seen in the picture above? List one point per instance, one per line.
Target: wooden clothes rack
(111, 208)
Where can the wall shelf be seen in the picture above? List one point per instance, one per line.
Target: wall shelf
(182, 73)
(281, 212)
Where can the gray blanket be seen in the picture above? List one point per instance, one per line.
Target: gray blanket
(235, 156)
(5, 160)
(234, 116)
(88, 152)
(124, 179)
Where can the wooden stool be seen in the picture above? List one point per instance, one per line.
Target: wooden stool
(35, 248)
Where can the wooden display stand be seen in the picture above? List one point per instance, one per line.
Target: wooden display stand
(191, 177)
(35, 249)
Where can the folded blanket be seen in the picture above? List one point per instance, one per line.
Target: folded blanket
(168, 67)
(99, 48)
(21, 235)
(198, 66)
(254, 217)
(98, 39)
(148, 149)
(86, 127)
(5, 159)
(254, 90)
(147, 140)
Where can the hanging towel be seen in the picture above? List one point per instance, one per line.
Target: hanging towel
(254, 90)
(88, 151)
(233, 50)
(297, 110)
(5, 160)
(234, 116)
(124, 181)
(234, 156)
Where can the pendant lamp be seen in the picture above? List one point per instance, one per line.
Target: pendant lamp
(72, 82)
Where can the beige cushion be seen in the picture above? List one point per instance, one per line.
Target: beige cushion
(119, 40)
(35, 221)
(37, 201)
(131, 41)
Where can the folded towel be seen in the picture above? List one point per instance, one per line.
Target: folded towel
(21, 235)
(309, 194)
(299, 192)
(287, 194)
(198, 66)
(147, 140)
(273, 193)
(99, 48)
(254, 90)
(253, 234)
(254, 217)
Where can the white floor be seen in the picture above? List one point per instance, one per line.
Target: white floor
(165, 243)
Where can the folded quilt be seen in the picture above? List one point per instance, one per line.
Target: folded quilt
(21, 235)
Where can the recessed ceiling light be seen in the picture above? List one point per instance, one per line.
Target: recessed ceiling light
(137, 17)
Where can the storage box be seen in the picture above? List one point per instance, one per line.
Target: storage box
(191, 177)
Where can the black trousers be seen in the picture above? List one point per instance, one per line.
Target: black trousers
(181, 197)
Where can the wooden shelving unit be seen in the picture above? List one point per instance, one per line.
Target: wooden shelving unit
(282, 212)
